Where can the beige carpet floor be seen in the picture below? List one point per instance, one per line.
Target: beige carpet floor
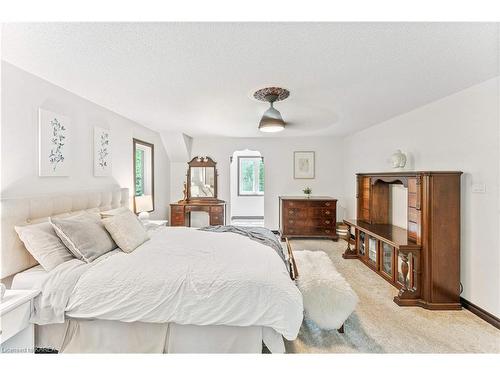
(380, 326)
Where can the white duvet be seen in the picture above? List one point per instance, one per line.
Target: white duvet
(180, 275)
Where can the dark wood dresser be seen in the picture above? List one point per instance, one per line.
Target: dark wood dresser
(308, 217)
(423, 259)
(180, 213)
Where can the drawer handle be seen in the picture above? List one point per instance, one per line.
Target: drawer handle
(290, 221)
(327, 221)
(327, 204)
(327, 212)
(327, 230)
(290, 212)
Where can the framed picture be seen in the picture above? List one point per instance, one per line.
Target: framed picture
(54, 143)
(102, 152)
(303, 164)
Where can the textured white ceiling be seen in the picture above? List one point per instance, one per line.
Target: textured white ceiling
(198, 78)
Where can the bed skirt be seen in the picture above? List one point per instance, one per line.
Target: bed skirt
(106, 336)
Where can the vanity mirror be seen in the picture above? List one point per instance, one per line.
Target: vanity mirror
(201, 179)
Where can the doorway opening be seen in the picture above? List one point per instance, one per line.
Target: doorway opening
(247, 185)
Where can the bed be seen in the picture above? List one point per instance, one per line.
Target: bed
(183, 291)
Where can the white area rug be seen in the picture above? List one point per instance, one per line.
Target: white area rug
(328, 298)
(378, 325)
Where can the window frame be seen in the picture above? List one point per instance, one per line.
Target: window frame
(256, 174)
(136, 142)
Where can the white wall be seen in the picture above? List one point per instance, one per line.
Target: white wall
(244, 205)
(22, 95)
(278, 157)
(458, 132)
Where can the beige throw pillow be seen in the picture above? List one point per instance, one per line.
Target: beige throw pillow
(84, 235)
(127, 231)
(43, 243)
(114, 212)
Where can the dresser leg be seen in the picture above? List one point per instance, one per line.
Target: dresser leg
(341, 329)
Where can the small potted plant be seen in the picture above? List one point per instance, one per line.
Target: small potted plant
(307, 191)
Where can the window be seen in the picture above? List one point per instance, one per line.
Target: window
(250, 175)
(139, 172)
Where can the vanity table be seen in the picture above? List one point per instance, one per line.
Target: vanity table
(200, 194)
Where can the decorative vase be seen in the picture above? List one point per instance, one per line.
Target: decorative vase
(398, 160)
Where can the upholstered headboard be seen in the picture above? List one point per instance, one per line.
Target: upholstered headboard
(35, 209)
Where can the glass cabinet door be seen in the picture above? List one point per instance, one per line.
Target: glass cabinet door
(372, 250)
(361, 245)
(387, 259)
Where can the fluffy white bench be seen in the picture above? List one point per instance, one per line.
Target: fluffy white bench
(328, 298)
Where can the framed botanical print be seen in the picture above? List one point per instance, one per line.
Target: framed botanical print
(303, 164)
(53, 144)
(102, 152)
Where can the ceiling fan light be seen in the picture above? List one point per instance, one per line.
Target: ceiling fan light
(271, 128)
(271, 121)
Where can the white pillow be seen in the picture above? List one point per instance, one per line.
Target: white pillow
(84, 235)
(44, 244)
(114, 211)
(127, 231)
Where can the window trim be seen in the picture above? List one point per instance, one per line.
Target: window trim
(136, 142)
(239, 190)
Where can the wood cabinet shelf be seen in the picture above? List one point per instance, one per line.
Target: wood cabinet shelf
(424, 259)
(391, 234)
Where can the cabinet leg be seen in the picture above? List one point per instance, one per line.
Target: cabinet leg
(349, 253)
(341, 329)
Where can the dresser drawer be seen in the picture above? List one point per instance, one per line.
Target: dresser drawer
(15, 321)
(326, 223)
(217, 219)
(311, 203)
(216, 209)
(315, 212)
(296, 213)
(177, 209)
(177, 220)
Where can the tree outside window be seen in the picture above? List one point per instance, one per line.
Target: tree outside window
(250, 175)
(139, 172)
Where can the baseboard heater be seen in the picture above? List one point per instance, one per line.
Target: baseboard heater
(247, 217)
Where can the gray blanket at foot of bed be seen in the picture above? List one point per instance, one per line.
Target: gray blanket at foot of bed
(259, 234)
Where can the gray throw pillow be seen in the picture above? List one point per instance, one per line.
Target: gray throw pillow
(44, 245)
(84, 235)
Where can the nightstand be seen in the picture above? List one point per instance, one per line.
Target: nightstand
(17, 334)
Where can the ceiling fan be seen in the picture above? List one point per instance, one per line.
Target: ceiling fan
(271, 121)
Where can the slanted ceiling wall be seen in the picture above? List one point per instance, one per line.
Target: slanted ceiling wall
(22, 95)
